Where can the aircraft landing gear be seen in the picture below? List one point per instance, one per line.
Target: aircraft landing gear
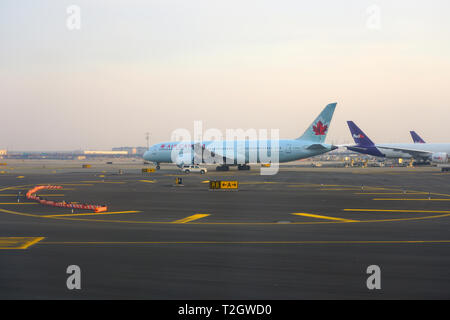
(421, 163)
(243, 167)
(222, 168)
(157, 166)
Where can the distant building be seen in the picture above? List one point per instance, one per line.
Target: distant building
(105, 153)
(141, 150)
(138, 151)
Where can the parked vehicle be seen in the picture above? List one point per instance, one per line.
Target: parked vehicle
(193, 168)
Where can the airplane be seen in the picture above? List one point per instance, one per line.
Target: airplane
(423, 152)
(310, 144)
(416, 138)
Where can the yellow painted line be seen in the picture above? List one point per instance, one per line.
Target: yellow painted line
(148, 181)
(18, 203)
(45, 195)
(341, 189)
(19, 213)
(25, 189)
(296, 185)
(206, 181)
(16, 187)
(18, 242)
(323, 217)
(248, 242)
(20, 177)
(331, 185)
(233, 223)
(191, 218)
(87, 214)
(117, 182)
(261, 182)
(299, 186)
(75, 184)
(391, 199)
(438, 194)
(391, 193)
(335, 187)
(401, 211)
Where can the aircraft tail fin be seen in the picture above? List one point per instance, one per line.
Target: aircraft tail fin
(416, 138)
(359, 136)
(317, 131)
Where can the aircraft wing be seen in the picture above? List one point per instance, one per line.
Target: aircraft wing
(316, 146)
(413, 152)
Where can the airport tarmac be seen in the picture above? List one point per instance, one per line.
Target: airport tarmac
(305, 233)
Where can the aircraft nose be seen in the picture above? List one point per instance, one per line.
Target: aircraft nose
(147, 155)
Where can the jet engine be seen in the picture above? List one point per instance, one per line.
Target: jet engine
(439, 157)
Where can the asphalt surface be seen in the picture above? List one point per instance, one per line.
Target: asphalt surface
(305, 233)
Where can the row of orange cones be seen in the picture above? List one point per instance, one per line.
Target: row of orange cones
(31, 194)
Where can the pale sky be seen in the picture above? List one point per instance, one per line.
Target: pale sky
(155, 66)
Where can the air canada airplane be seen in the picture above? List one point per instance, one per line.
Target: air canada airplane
(422, 152)
(240, 153)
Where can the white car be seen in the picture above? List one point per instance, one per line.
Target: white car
(193, 168)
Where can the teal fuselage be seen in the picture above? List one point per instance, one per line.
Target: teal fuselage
(243, 151)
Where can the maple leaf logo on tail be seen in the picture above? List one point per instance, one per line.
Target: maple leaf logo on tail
(320, 129)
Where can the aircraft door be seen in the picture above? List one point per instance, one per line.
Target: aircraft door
(289, 148)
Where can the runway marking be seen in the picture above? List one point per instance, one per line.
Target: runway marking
(401, 211)
(76, 184)
(312, 185)
(148, 181)
(25, 189)
(323, 217)
(96, 181)
(437, 194)
(246, 242)
(9, 243)
(341, 189)
(261, 182)
(191, 218)
(391, 193)
(336, 187)
(15, 187)
(391, 199)
(18, 203)
(225, 223)
(44, 195)
(87, 214)
(397, 188)
(20, 213)
(302, 186)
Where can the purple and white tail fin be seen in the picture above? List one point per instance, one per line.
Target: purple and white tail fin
(359, 136)
(416, 138)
